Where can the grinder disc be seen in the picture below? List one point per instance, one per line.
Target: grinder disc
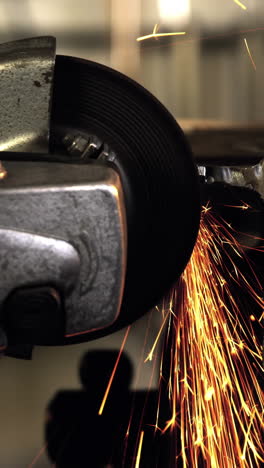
(157, 171)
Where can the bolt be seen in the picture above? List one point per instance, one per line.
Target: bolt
(80, 146)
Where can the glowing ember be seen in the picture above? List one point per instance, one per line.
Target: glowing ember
(215, 397)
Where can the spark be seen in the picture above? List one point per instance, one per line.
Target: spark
(249, 54)
(206, 208)
(215, 396)
(139, 449)
(155, 29)
(113, 372)
(155, 35)
(150, 355)
(138, 426)
(198, 39)
(209, 394)
(244, 206)
(37, 457)
(247, 435)
(136, 385)
(240, 4)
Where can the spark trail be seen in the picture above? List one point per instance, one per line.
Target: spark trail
(240, 4)
(108, 388)
(249, 54)
(216, 400)
(154, 34)
(139, 449)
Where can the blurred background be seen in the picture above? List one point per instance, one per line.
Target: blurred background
(205, 74)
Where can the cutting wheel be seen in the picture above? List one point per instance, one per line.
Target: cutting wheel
(157, 171)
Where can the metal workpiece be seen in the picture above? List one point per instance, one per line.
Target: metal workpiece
(27, 68)
(254, 177)
(74, 237)
(225, 143)
(227, 152)
(250, 177)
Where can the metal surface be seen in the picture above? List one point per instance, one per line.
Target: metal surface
(68, 209)
(251, 177)
(28, 259)
(82, 146)
(228, 152)
(87, 147)
(225, 143)
(26, 68)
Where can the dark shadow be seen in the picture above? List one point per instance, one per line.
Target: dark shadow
(78, 437)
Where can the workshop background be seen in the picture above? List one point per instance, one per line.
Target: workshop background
(207, 73)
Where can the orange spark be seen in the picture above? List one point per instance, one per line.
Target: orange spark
(206, 208)
(113, 372)
(240, 4)
(138, 376)
(215, 396)
(244, 206)
(209, 394)
(37, 457)
(150, 355)
(249, 54)
(139, 449)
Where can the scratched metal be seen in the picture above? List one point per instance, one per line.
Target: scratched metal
(80, 207)
(26, 76)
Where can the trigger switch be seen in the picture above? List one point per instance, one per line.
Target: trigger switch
(34, 316)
